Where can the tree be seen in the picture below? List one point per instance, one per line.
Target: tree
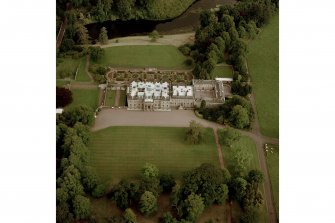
(195, 133)
(255, 177)
(125, 8)
(63, 97)
(167, 182)
(239, 117)
(230, 136)
(70, 182)
(82, 33)
(89, 179)
(149, 171)
(168, 218)
(238, 188)
(202, 105)
(148, 203)
(129, 216)
(83, 131)
(103, 37)
(154, 35)
(194, 206)
(248, 216)
(61, 195)
(63, 214)
(80, 113)
(96, 53)
(241, 159)
(124, 193)
(207, 181)
(99, 191)
(82, 207)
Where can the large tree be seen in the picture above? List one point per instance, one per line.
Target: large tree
(103, 37)
(82, 33)
(167, 182)
(148, 203)
(194, 206)
(230, 136)
(81, 207)
(124, 193)
(195, 133)
(63, 97)
(129, 216)
(239, 117)
(149, 171)
(96, 53)
(80, 113)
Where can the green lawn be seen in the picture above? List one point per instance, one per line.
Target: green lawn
(223, 71)
(87, 97)
(263, 62)
(158, 56)
(272, 161)
(120, 152)
(66, 67)
(245, 143)
(123, 97)
(82, 75)
(110, 98)
(61, 82)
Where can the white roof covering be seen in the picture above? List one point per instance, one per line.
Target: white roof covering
(59, 111)
(182, 91)
(149, 90)
(224, 79)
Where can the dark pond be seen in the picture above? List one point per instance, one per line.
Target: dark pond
(186, 22)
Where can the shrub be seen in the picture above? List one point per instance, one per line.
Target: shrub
(184, 49)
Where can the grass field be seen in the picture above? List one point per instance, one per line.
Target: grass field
(272, 161)
(82, 75)
(223, 71)
(61, 82)
(158, 56)
(110, 98)
(66, 67)
(165, 9)
(120, 152)
(123, 97)
(245, 143)
(263, 62)
(87, 97)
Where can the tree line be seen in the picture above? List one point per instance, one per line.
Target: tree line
(221, 37)
(76, 179)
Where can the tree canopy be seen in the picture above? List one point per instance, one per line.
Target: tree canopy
(195, 133)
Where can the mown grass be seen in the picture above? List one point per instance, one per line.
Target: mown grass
(223, 71)
(121, 152)
(247, 144)
(61, 82)
(82, 75)
(263, 62)
(66, 67)
(87, 97)
(158, 56)
(110, 98)
(272, 161)
(123, 98)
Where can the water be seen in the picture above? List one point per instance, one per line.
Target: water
(187, 22)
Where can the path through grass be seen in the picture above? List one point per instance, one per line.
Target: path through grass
(263, 62)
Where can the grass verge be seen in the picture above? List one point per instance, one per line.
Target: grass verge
(263, 62)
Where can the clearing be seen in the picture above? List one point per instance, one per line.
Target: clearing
(158, 56)
(121, 152)
(263, 62)
(223, 71)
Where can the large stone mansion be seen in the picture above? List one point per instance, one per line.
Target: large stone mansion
(158, 96)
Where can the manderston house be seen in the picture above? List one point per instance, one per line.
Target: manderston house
(160, 95)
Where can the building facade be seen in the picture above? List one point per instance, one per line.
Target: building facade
(149, 96)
